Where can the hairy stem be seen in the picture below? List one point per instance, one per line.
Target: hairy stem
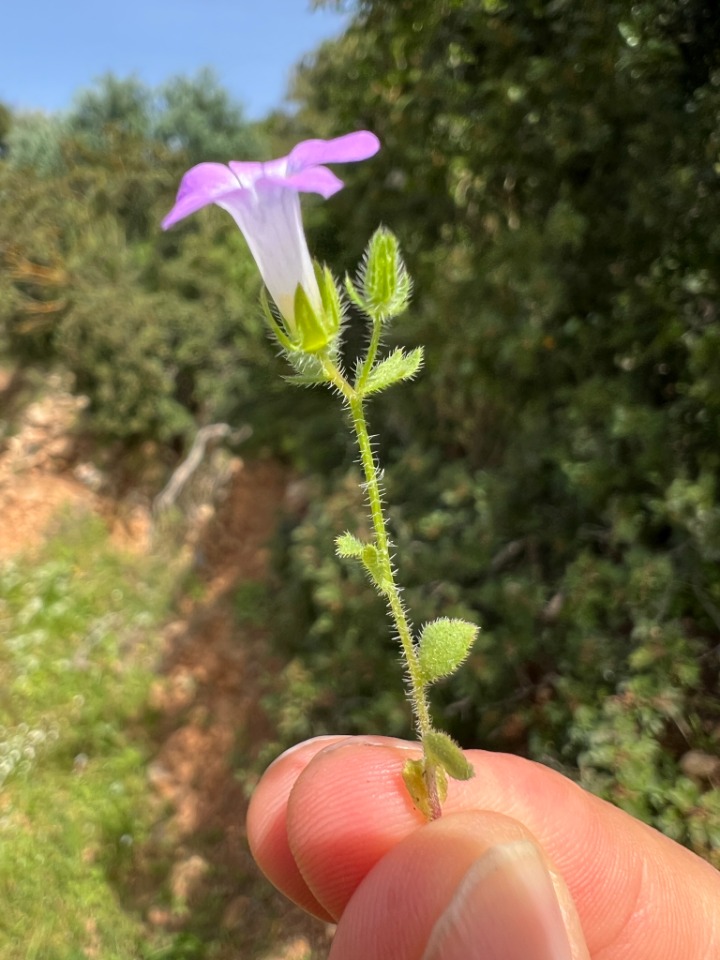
(367, 363)
(354, 399)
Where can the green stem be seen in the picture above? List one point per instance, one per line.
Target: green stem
(369, 360)
(354, 398)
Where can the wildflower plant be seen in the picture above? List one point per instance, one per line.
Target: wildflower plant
(306, 316)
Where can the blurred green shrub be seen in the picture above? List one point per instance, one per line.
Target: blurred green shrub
(79, 643)
(552, 170)
(160, 330)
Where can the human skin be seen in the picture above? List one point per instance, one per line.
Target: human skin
(332, 826)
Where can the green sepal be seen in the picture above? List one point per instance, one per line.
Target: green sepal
(291, 346)
(394, 368)
(442, 750)
(332, 305)
(312, 332)
(414, 776)
(309, 371)
(443, 646)
(354, 295)
(347, 545)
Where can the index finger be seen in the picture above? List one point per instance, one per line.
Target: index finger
(344, 805)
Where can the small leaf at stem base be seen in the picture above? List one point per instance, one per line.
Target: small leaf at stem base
(414, 777)
(442, 750)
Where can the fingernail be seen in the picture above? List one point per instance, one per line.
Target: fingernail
(303, 745)
(504, 908)
(387, 743)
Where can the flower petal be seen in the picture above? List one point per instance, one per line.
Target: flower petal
(249, 172)
(353, 146)
(203, 184)
(313, 180)
(271, 223)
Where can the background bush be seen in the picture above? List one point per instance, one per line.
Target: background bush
(160, 330)
(551, 169)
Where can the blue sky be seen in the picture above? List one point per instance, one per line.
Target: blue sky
(52, 48)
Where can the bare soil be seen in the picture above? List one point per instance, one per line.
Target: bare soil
(196, 876)
(211, 728)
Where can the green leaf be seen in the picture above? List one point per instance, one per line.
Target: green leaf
(444, 644)
(394, 368)
(348, 545)
(442, 750)
(375, 566)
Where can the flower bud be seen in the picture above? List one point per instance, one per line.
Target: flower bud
(385, 284)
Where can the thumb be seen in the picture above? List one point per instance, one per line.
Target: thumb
(469, 885)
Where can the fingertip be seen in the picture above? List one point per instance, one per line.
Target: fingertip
(267, 822)
(472, 883)
(347, 810)
(327, 812)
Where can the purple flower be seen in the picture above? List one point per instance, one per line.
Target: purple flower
(263, 200)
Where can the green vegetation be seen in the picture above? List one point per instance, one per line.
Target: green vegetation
(158, 330)
(551, 169)
(91, 861)
(78, 647)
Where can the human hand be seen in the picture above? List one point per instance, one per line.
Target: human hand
(523, 864)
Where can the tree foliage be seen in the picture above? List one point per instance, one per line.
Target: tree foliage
(33, 142)
(114, 103)
(159, 330)
(198, 117)
(552, 171)
(5, 124)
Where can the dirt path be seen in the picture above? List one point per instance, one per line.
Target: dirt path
(212, 726)
(35, 476)
(208, 720)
